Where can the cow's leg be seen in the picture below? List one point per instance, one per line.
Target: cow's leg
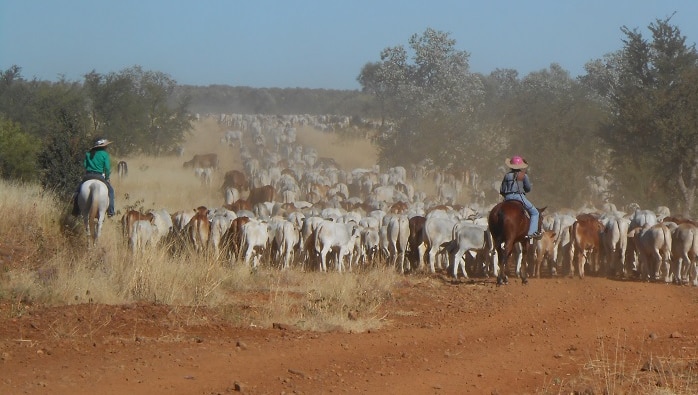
(581, 259)
(432, 258)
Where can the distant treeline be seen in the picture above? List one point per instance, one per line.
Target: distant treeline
(225, 99)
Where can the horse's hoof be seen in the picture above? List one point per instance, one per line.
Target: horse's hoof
(524, 281)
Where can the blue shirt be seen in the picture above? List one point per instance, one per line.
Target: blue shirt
(511, 185)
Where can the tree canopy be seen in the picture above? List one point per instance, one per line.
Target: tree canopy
(650, 88)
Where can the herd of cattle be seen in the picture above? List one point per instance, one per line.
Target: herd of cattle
(287, 207)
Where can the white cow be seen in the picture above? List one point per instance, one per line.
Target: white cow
(143, 233)
(220, 223)
(232, 195)
(163, 223)
(563, 251)
(653, 247)
(180, 220)
(641, 218)
(287, 238)
(465, 237)
(255, 237)
(370, 244)
(233, 136)
(205, 175)
(398, 232)
(615, 242)
(437, 231)
(334, 236)
(685, 252)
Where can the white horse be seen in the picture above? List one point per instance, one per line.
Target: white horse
(93, 200)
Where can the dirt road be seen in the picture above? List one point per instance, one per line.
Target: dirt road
(551, 336)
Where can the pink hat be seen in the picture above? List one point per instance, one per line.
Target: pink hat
(516, 162)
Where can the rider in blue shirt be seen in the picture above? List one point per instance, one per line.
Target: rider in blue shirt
(515, 186)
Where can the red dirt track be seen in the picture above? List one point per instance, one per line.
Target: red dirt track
(439, 337)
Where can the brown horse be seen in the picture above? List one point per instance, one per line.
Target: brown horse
(508, 224)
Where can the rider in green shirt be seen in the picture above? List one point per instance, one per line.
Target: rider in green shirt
(97, 165)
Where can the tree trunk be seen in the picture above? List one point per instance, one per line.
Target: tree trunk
(688, 189)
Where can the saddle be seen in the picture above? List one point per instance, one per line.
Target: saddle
(92, 176)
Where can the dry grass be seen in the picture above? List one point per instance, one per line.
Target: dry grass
(618, 369)
(68, 273)
(45, 260)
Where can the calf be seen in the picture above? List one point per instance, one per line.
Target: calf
(543, 250)
(465, 237)
(130, 218)
(586, 241)
(122, 169)
(143, 233)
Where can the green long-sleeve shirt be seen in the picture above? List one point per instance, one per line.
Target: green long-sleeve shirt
(99, 163)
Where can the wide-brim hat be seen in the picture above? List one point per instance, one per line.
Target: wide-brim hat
(516, 163)
(101, 143)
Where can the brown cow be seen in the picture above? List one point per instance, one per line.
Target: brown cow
(240, 204)
(130, 218)
(415, 240)
(586, 239)
(198, 229)
(203, 161)
(232, 238)
(261, 195)
(235, 179)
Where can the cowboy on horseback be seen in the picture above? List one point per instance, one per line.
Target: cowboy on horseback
(97, 165)
(515, 185)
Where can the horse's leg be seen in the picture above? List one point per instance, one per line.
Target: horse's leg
(501, 276)
(524, 263)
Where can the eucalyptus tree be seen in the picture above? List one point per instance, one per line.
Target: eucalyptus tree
(428, 99)
(650, 86)
(137, 110)
(553, 121)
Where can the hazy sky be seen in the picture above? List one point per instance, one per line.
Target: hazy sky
(311, 43)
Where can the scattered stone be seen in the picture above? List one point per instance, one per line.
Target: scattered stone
(282, 327)
(557, 356)
(653, 336)
(297, 373)
(241, 345)
(676, 335)
(652, 365)
(238, 386)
